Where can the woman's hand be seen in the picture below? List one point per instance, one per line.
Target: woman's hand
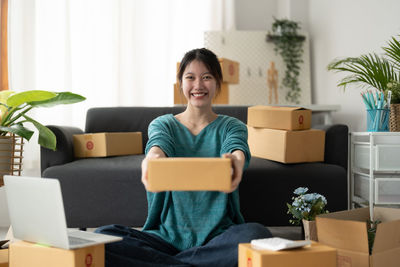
(154, 152)
(237, 157)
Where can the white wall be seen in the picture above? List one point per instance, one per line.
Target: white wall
(255, 14)
(344, 28)
(337, 28)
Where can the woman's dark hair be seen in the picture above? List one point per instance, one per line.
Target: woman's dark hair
(208, 58)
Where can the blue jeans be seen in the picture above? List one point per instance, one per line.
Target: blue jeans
(144, 250)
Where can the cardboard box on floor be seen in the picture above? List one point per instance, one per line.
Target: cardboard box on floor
(23, 254)
(315, 255)
(347, 231)
(4, 257)
(283, 118)
(189, 174)
(107, 144)
(287, 146)
(221, 98)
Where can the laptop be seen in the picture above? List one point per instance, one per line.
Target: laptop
(36, 210)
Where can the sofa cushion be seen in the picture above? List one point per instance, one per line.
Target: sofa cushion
(110, 186)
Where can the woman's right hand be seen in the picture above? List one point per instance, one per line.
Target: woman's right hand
(154, 152)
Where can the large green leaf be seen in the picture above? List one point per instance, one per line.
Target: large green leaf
(29, 96)
(61, 98)
(46, 136)
(18, 130)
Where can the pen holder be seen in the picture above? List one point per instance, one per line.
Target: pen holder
(378, 120)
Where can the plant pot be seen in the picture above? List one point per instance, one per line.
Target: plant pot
(394, 121)
(10, 156)
(310, 230)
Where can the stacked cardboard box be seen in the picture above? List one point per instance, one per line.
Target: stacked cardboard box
(283, 134)
(230, 74)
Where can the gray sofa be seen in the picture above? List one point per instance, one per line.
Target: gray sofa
(99, 191)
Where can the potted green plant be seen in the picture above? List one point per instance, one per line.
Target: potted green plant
(15, 106)
(13, 117)
(381, 72)
(289, 44)
(304, 209)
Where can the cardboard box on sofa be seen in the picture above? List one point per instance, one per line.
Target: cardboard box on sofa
(283, 118)
(3, 257)
(221, 98)
(23, 254)
(315, 255)
(107, 144)
(189, 174)
(287, 146)
(347, 231)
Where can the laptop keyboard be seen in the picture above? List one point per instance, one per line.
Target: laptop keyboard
(78, 241)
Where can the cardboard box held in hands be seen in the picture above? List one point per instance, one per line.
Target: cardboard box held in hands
(283, 118)
(189, 174)
(107, 144)
(315, 255)
(347, 231)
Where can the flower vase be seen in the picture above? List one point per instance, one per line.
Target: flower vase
(310, 230)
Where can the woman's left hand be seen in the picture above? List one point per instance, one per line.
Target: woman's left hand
(237, 157)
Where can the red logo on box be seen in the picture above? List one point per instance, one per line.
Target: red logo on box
(344, 261)
(249, 262)
(89, 260)
(89, 145)
(231, 69)
(301, 119)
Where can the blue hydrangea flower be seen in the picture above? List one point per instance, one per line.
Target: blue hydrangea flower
(300, 190)
(309, 197)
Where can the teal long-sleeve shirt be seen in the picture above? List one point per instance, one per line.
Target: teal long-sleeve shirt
(191, 218)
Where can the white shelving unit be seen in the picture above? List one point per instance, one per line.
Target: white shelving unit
(374, 169)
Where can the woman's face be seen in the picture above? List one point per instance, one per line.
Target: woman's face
(198, 84)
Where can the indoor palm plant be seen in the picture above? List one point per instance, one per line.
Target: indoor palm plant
(381, 72)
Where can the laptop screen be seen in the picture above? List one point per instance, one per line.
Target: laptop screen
(36, 210)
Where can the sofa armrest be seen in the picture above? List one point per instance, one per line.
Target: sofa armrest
(65, 148)
(336, 143)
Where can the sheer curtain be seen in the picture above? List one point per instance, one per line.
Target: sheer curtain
(113, 52)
